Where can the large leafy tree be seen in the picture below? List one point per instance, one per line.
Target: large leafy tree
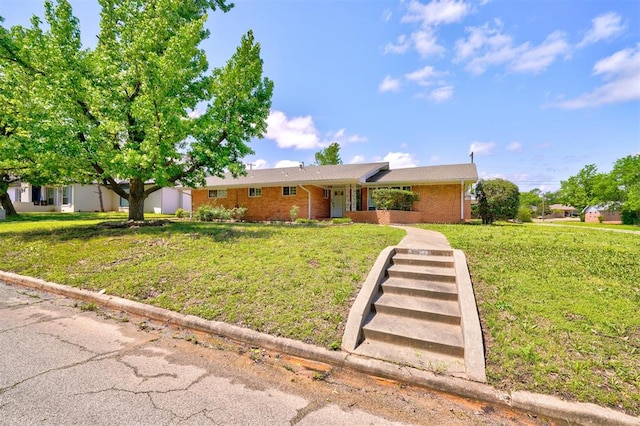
(498, 199)
(582, 189)
(140, 111)
(329, 155)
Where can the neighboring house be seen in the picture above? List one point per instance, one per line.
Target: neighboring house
(560, 210)
(344, 191)
(86, 198)
(607, 213)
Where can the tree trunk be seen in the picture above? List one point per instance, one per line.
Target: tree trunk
(100, 198)
(136, 199)
(7, 205)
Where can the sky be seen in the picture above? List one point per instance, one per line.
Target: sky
(535, 89)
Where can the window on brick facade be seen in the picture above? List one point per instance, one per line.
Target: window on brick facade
(326, 193)
(217, 193)
(289, 190)
(255, 192)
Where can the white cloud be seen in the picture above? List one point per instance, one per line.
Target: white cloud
(386, 15)
(621, 72)
(301, 133)
(389, 84)
(436, 12)
(482, 148)
(425, 43)
(400, 160)
(441, 94)
(259, 164)
(487, 46)
(400, 47)
(425, 76)
(515, 147)
(604, 27)
(357, 159)
(286, 163)
(538, 58)
(298, 132)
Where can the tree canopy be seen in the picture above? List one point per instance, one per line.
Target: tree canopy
(141, 110)
(498, 199)
(329, 155)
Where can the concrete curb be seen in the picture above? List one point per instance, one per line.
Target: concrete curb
(544, 405)
(471, 330)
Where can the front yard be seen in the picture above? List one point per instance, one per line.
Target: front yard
(560, 306)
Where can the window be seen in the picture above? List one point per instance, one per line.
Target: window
(124, 202)
(66, 195)
(255, 192)
(289, 190)
(50, 196)
(326, 193)
(217, 193)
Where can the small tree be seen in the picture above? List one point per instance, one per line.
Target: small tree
(394, 199)
(329, 155)
(498, 199)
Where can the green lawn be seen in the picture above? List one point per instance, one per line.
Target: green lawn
(592, 225)
(560, 309)
(294, 281)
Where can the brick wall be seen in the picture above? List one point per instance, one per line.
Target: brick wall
(272, 205)
(440, 203)
(384, 217)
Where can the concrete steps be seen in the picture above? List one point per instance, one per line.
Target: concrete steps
(415, 317)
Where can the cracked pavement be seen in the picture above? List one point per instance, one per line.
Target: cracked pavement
(63, 362)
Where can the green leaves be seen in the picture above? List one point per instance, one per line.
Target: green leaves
(497, 199)
(130, 109)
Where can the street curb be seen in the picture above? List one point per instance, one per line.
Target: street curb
(543, 405)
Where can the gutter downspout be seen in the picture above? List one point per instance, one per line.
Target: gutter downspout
(308, 201)
(461, 201)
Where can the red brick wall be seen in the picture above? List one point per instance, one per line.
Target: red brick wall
(272, 205)
(440, 203)
(384, 217)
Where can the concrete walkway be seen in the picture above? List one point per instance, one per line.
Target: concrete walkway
(423, 238)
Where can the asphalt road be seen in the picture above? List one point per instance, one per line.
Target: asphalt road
(68, 363)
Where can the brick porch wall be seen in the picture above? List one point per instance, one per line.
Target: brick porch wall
(384, 217)
(440, 204)
(272, 205)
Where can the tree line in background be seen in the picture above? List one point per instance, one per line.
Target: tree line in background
(618, 190)
(138, 112)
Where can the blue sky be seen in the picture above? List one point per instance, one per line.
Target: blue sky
(536, 89)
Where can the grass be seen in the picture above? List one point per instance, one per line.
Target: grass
(286, 280)
(593, 225)
(560, 309)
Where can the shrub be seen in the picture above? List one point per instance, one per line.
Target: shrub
(208, 213)
(293, 212)
(339, 220)
(394, 199)
(181, 213)
(302, 220)
(238, 213)
(524, 214)
(630, 217)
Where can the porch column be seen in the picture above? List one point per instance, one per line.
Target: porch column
(347, 198)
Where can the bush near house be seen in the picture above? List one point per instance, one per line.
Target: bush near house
(394, 199)
(209, 213)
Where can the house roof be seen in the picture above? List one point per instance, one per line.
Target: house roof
(561, 207)
(364, 174)
(429, 174)
(305, 175)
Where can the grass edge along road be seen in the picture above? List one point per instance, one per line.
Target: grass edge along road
(294, 281)
(560, 309)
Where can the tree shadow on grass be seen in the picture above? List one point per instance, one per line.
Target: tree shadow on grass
(219, 232)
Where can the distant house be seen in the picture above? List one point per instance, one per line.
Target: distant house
(560, 210)
(344, 191)
(608, 213)
(92, 198)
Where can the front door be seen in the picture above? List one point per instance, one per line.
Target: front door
(337, 203)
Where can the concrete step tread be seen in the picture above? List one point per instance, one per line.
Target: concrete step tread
(425, 252)
(416, 330)
(421, 257)
(418, 358)
(418, 304)
(433, 289)
(449, 272)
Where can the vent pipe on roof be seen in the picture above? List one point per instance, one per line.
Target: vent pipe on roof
(301, 165)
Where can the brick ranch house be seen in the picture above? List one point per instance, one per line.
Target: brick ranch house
(343, 191)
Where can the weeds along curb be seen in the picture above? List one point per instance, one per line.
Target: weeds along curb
(543, 405)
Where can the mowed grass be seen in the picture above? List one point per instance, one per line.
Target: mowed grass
(286, 280)
(560, 309)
